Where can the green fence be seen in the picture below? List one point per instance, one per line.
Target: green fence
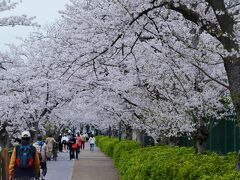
(223, 137)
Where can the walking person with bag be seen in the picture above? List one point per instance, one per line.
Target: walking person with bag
(72, 147)
(50, 141)
(24, 163)
(41, 148)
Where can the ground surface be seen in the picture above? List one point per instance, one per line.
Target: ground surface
(60, 169)
(92, 165)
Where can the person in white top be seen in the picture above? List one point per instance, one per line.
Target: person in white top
(64, 142)
(41, 148)
(92, 141)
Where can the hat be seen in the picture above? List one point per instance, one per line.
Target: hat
(25, 134)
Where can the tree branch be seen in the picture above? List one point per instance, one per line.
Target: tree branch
(217, 81)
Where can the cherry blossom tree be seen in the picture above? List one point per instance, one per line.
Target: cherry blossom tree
(151, 25)
(166, 67)
(8, 5)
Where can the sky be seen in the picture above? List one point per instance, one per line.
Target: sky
(46, 11)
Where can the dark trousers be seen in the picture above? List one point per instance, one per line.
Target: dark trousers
(83, 145)
(60, 147)
(76, 151)
(44, 168)
(71, 153)
(91, 147)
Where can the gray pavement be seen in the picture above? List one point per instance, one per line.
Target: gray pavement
(94, 165)
(60, 169)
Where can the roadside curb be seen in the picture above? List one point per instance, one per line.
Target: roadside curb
(71, 173)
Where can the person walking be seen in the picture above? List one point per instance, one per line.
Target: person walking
(55, 151)
(84, 139)
(24, 163)
(64, 142)
(41, 148)
(79, 142)
(60, 146)
(69, 136)
(72, 146)
(50, 141)
(92, 141)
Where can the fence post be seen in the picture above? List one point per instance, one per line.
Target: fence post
(5, 163)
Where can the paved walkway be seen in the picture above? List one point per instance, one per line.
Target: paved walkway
(94, 165)
(60, 169)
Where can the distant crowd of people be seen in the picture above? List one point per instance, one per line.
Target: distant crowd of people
(74, 143)
(29, 161)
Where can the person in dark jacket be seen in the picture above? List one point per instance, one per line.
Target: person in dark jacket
(60, 145)
(71, 142)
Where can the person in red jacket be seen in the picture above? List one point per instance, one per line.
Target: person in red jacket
(79, 142)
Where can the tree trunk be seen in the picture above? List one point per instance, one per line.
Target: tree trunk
(120, 131)
(4, 137)
(173, 141)
(109, 131)
(201, 137)
(129, 132)
(201, 146)
(114, 132)
(232, 66)
(141, 137)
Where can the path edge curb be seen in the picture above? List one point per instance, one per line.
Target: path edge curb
(71, 173)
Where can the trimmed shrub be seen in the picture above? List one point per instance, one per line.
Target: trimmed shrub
(124, 146)
(106, 144)
(168, 163)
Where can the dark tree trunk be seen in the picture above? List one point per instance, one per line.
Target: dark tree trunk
(173, 141)
(120, 131)
(141, 137)
(201, 137)
(114, 132)
(4, 137)
(128, 132)
(232, 66)
(109, 131)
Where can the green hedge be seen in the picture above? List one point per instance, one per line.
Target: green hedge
(168, 163)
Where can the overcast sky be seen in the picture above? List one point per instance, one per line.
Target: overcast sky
(46, 11)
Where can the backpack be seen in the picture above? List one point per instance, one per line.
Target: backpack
(39, 149)
(25, 154)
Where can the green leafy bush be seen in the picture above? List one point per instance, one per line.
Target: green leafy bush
(168, 163)
(106, 144)
(122, 147)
